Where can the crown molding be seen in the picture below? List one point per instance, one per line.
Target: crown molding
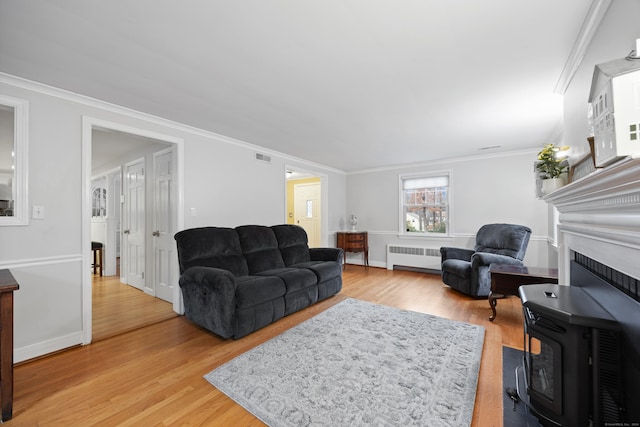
(446, 161)
(595, 14)
(66, 95)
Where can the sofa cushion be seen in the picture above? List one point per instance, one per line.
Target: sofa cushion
(292, 242)
(293, 278)
(217, 247)
(260, 248)
(252, 290)
(324, 270)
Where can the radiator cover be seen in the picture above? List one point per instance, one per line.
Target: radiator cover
(413, 256)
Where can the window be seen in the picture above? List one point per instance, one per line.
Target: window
(425, 204)
(99, 203)
(13, 161)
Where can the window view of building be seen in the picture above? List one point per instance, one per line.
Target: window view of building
(425, 204)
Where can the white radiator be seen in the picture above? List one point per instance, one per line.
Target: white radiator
(413, 256)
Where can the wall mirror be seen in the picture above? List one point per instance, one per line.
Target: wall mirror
(13, 161)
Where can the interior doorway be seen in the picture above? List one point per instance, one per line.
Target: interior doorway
(306, 203)
(147, 159)
(307, 208)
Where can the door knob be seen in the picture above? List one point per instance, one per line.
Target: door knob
(156, 233)
(127, 231)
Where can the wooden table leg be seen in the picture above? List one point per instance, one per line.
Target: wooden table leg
(6, 356)
(493, 301)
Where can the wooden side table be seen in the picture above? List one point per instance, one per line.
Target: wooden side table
(7, 285)
(354, 241)
(506, 279)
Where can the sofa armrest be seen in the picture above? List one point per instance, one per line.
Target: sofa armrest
(326, 254)
(486, 259)
(456, 253)
(210, 298)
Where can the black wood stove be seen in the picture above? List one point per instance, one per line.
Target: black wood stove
(570, 375)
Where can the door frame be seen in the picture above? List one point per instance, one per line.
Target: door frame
(324, 200)
(88, 123)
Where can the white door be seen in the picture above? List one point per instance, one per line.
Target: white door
(134, 224)
(307, 210)
(164, 225)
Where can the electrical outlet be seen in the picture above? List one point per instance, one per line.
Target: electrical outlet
(37, 212)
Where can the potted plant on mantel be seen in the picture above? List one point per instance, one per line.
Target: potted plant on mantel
(552, 166)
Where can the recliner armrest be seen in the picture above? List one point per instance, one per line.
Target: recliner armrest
(456, 253)
(209, 296)
(326, 254)
(486, 258)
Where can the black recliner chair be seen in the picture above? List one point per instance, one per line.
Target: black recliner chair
(467, 270)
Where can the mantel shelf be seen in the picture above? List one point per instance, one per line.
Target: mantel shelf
(600, 218)
(605, 190)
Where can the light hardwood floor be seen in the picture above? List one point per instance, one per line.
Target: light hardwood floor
(119, 308)
(154, 375)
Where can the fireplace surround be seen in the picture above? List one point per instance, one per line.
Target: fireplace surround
(598, 251)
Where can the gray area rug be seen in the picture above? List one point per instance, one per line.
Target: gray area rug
(359, 363)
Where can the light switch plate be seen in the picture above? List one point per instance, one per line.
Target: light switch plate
(37, 212)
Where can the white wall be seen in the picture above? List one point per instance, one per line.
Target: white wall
(222, 181)
(614, 39)
(495, 189)
(228, 187)
(483, 189)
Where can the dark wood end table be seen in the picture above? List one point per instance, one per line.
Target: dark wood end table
(506, 279)
(7, 285)
(353, 241)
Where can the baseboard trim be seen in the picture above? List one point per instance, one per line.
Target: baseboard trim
(42, 348)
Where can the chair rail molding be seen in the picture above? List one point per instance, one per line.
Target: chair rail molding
(39, 262)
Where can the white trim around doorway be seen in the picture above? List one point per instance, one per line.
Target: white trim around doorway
(324, 198)
(88, 124)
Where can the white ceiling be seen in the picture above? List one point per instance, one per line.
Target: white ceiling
(110, 147)
(352, 84)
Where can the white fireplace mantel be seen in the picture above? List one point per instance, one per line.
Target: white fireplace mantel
(600, 218)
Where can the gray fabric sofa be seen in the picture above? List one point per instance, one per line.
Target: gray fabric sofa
(467, 270)
(237, 280)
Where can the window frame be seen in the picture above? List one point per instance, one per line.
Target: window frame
(20, 173)
(402, 226)
(99, 202)
(100, 185)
